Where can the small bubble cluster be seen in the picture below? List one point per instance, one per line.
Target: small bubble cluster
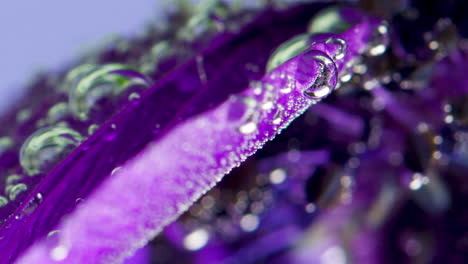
(80, 100)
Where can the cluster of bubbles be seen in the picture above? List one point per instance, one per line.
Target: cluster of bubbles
(95, 92)
(312, 57)
(86, 96)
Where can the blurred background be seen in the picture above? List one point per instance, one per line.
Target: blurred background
(43, 35)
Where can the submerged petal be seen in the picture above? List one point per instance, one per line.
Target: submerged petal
(152, 160)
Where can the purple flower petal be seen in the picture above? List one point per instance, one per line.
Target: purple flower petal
(153, 159)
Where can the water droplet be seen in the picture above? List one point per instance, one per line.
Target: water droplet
(101, 90)
(12, 179)
(288, 50)
(3, 201)
(327, 77)
(52, 234)
(16, 190)
(57, 113)
(59, 253)
(268, 100)
(346, 77)
(134, 97)
(115, 170)
(208, 16)
(47, 147)
(248, 127)
(342, 47)
(289, 86)
(267, 105)
(278, 118)
(92, 128)
(257, 87)
(79, 201)
(75, 75)
(148, 63)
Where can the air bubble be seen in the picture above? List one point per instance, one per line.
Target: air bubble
(92, 128)
(46, 148)
(57, 113)
(102, 89)
(13, 179)
(208, 16)
(160, 51)
(342, 47)
(278, 118)
(289, 86)
(15, 190)
(3, 201)
(241, 110)
(248, 128)
(327, 77)
(75, 75)
(134, 97)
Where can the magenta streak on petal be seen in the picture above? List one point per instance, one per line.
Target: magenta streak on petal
(178, 166)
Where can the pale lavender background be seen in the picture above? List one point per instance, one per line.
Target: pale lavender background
(47, 33)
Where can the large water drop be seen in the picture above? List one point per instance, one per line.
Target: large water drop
(103, 89)
(76, 74)
(327, 75)
(47, 147)
(15, 190)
